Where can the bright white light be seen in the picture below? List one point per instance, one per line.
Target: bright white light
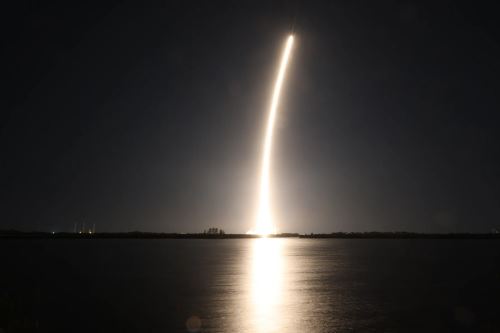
(267, 284)
(265, 224)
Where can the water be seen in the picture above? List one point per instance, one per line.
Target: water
(252, 285)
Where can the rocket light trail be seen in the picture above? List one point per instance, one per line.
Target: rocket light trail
(265, 225)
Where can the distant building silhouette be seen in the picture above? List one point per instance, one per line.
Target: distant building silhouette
(79, 228)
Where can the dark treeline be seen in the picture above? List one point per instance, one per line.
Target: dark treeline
(104, 235)
(403, 235)
(13, 234)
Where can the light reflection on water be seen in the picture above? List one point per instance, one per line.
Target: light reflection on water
(252, 285)
(267, 284)
(272, 292)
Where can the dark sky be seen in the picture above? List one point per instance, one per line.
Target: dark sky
(151, 118)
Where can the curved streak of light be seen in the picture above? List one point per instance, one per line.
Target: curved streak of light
(265, 225)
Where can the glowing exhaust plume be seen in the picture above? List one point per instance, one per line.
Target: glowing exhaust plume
(265, 225)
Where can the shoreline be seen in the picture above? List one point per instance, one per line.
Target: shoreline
(334, 235)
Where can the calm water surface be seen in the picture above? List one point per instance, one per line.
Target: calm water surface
(259, 285)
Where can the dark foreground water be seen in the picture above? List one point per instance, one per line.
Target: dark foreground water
(259, 285)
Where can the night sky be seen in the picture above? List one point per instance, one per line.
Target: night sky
(152, 118)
